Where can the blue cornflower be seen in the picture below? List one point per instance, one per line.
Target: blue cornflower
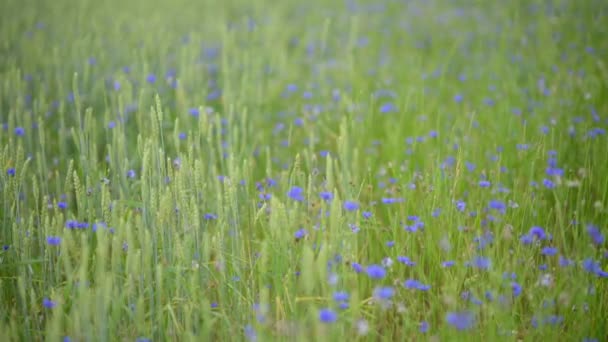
(341, 296)
(350, 206)
(326, 195)
(462, 320)
(210, 216)
(388, 108)
(484, 183)
(47, 303)
(194, 112)
(11, 171)
(296, 193)
(151, 78)
(549, 184)
(366, 214)
(375, 271)
(424, 327)
(448, 263)
(250, 333)
(300, 233)
(549, 251)
(182, 136)
(461, 205)
(62, 205)
(538, 233)
(383, 293)
(516, 289)
(481, 263)
(327, 315)
(595, 234)
(131, 174)
(458, 98)
(53, 240)
(19, 131)
(405, 260)
(416, 285)
(391, 200)
(357, 267)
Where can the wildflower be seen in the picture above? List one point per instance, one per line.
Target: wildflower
(326, 196)
(448, 263)
(351, 206)
(424, 327)
(250, 333)
(341, 296)
(565, 262)
(383, 293)
(296, 193)
(415, 285)
(461, 205)
(19, 131)
(375, 271)
(595, 234)
(366, 214)
(47, 303)
(516, 289)
(549, 184)
(300, 233)
(62, 205)
(458, 98)
(462, 320)
(387, 108)
(210, 216)
(357, 267)
(182, 136)
(327, 316)
(405, 260)
(549, 251)
(11, 172)
(131, 174)
(484, 183)
(481, 263)
(151, 78)
(53, 240)
(391, 200)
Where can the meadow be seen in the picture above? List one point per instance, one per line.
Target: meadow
(389, 170)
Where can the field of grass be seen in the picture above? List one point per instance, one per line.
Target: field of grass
(316, 170)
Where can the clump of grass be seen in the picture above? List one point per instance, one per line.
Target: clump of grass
(303, 170)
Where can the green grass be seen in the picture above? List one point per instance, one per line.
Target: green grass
(187, 231)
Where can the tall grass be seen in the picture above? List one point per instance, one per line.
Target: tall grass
(303, 170)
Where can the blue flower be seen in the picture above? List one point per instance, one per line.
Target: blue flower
(416, 285)
(481, 263)
(53, 240)
(131, 174)
(11, 171)
(375, 271)
(19, 131)
(47, 303)
(366, 214)
(484, 183)
(516, 289)
(326, 195)
(549, 251)
(62, 205)
(300, 233)
(391, 200)
(424, 327)
(357, 267)
(383, 293)
(405, 260)
(595, 234)
(461, 205)
(327, 315)
(448, 263)
(341, 296)
(549, 184)
(151, 78)
(463, 320)
(350, 206)
(296, 193)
